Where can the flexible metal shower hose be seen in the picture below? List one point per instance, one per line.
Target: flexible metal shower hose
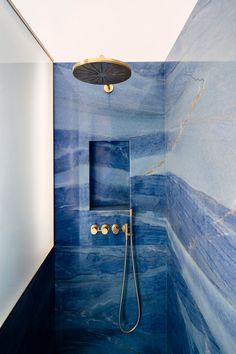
(124, 278)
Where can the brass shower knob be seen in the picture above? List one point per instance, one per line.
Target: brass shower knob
(115, 229)
(105, 229)
(94, 229)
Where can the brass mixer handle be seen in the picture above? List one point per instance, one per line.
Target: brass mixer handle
(105, 229)
(94, 229)
(115, 229)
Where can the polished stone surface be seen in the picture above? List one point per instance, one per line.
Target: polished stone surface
(89, 268)
(200, 137)
(201, 269)
(201, 171)
(208, 35)
(88, 288)
(134, 112)
(182, 181)
(109, 171)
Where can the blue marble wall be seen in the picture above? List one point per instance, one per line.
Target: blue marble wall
(201, 173)
(134, 112)
(88, 268)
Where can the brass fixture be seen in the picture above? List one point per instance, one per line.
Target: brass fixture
(94, 229)
(128, 229)
(108, 88)
(115, 229)
(105, 229)
(102, 71)
(125, 229)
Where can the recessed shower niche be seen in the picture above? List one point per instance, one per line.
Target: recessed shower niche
(109, 175)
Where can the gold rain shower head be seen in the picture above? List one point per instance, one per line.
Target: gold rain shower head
(102, 71)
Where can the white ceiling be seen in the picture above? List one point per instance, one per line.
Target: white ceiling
(129, 30)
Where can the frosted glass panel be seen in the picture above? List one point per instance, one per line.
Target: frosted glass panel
(26, 155)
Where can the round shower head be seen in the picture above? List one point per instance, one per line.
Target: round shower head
(102, 71)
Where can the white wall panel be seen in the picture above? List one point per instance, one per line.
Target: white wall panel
(26, 157)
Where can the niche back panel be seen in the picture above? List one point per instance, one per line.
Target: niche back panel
(109, 175)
